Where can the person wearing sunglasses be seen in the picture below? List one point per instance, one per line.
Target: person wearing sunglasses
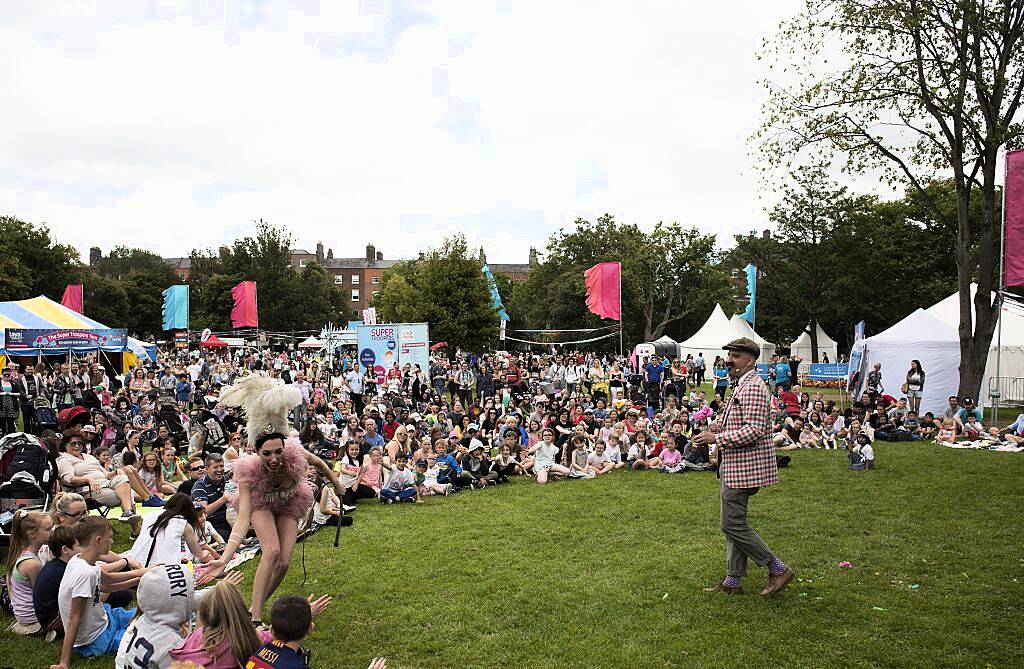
(195, 470)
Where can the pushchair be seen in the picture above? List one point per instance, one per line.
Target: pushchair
(43, 415)
(215, 434)
(28, 475)
(167, 416)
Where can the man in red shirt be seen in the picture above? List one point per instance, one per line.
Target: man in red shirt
(746, 462)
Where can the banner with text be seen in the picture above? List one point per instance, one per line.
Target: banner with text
(381, 346)
(21, 340)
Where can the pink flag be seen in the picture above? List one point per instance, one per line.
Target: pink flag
(603, 296)
(243, 315)
(73, 297)
(1014, 214)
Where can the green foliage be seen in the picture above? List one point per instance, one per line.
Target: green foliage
(446, 289)
(670, 278)
(143, 276)
(32, 263)
(318, 300)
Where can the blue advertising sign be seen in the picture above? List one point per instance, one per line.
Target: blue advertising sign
(826, 371)
(57, 340)
(762, 371)
(414, 346)
(378, 348)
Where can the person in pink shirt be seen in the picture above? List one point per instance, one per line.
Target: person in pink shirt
(671, 457)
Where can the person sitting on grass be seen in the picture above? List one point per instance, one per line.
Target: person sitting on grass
(92, 627)
(476, 464)
(544, 453)
(696, 457)
(580, 451)
(946, 435)
(861, 454)
(829, 434)
(401, 484)
(927, 427)
(29, 531)
(1014, 432)
(973, 429)
(449, 470)
(671, 458)
(598, 461)
(808, 437)
(614, 451)
(788, 437)
(291, 621)
(505, 465)
(63, 546)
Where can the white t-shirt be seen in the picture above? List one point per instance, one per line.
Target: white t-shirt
(168, 542)
(598, 461)
(82, 579)
(614, 454)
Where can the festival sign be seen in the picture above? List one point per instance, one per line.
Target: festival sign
(181, 339)
(23, 339)
(821, 371)
(414, 346)
(378, 348)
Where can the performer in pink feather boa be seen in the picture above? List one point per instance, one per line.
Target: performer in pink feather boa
(273, 493)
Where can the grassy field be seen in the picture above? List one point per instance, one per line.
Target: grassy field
(608, 573)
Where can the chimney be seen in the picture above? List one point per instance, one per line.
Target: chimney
(320, 252)
(371, 253)
(767, 234)
(380, 255)
(95, 254)
(483, 256)
(422, 255)
(533, 257)
(330, 253)
(224, 251)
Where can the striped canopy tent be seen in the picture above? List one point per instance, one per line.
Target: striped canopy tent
(42, 313)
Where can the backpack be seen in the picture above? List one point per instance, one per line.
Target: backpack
(25, 453)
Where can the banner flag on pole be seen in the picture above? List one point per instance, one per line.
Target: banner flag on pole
(244, 315)
(858, 332)
(73, 298)
(603, 297)
(495, 297)
(1013, 215)
(175, 311)
(748, 313)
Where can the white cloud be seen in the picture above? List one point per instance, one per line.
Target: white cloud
(173, 125)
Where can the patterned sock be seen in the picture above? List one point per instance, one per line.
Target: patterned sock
(732, 581)
(776, 566)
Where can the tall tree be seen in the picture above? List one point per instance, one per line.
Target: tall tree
(143, 276)
(32, 263)
(318, 300)
(923, 88)
(446, 289)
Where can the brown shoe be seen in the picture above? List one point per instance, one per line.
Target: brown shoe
(778, 582)
(726, 589)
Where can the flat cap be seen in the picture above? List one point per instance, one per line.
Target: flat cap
(744, 345)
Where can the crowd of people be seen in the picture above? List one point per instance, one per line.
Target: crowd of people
(163, 436)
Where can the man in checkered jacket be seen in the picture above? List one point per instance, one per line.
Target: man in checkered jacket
(746, 462)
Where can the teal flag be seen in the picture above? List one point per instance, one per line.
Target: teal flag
(495, 297)
(748, 313)
(175, 311)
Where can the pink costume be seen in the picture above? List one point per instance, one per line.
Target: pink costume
(293, 498)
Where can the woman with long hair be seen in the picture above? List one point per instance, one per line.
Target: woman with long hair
(915, 385)
(273, 494)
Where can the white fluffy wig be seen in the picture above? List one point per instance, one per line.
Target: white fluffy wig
(266, 402)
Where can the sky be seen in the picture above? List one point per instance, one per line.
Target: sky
(174, 125)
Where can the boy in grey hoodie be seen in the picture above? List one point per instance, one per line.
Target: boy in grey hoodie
(166, 600)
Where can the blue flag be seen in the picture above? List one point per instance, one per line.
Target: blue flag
(495, 297)
(748, 313)
(175, 311)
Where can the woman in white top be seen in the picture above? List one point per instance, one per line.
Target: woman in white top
(159, 541)
(77, 469)
(234, 450)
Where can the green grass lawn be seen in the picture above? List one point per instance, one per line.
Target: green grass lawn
(608, 573)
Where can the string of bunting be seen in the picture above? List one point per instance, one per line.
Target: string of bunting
(563, 343)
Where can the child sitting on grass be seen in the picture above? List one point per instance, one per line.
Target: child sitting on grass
(671, 458)
(291, 621)
(401, 485)
(861, 455)
(598, 461)
(947, 433)
(30, 530)
(578, 459)
(92, 627)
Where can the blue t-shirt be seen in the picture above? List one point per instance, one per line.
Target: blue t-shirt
(782, 373)
(721, 376)
(654, 372)
(276, 655)
(44, 595)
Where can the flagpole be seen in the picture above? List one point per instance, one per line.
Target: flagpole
(999, 299)
(621, 353)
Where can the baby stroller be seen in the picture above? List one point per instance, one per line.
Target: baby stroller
(167, 415)
(28, 477)
(43, 415)
(216, 435)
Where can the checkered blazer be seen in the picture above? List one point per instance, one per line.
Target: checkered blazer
(743, 432)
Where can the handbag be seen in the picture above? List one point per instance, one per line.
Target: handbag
(905, 388)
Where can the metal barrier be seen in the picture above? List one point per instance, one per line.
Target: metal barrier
(1006, 390)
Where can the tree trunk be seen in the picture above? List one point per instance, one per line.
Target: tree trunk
(814, 339)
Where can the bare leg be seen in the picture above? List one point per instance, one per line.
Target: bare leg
(287, 532)
(542, 476)
(559, 469)
(124, 496)
(138, 486)
(266, 531)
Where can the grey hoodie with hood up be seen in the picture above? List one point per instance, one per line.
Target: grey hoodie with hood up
(167, 598)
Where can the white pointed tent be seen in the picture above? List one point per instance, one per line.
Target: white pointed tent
(1011, 362)
(743, 328)
(801, 346)
(716, 332)
(920, 336)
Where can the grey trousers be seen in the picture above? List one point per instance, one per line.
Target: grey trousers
(742, 541)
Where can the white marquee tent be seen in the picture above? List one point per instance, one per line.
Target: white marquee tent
(801, 346)
(920, 336)
(1011, 361)
(743, 328)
